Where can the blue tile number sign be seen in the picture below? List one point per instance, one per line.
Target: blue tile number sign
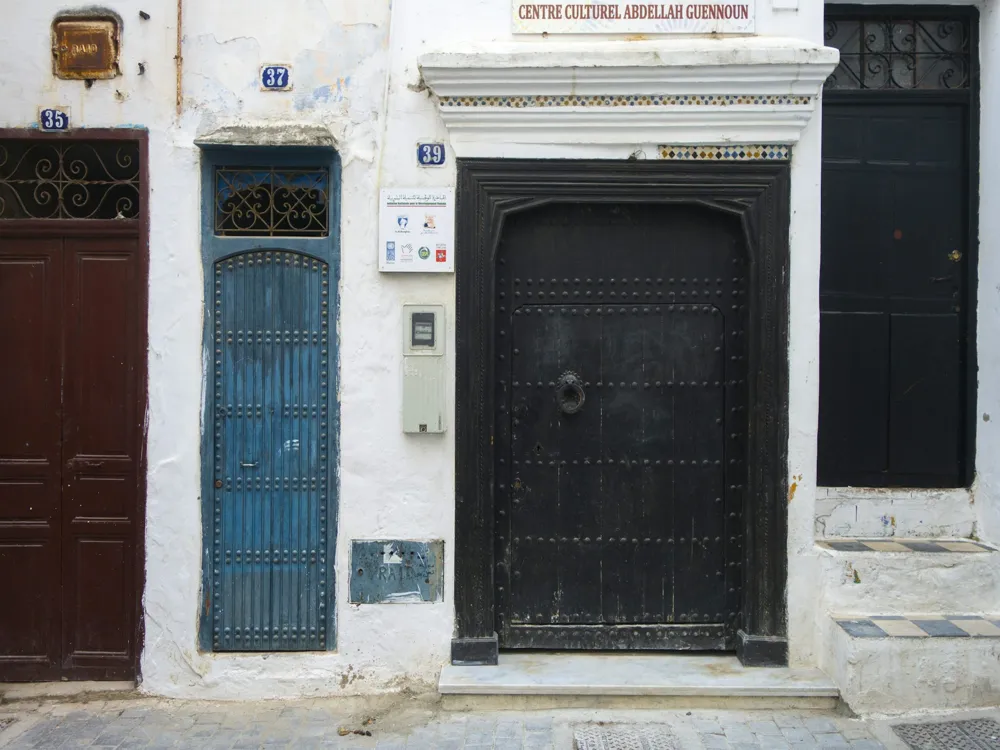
(430, 154)
(397, 572)
(52, 119)
(275, 78)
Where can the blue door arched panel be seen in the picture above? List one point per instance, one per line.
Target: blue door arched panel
(271, 428)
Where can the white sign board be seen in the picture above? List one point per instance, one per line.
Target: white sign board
(417, 230)
(620, 17)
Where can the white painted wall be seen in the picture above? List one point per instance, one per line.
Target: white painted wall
(988, 314)
(354, 61)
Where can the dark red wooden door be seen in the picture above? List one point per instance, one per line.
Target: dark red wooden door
(31, 300)
(71, 394)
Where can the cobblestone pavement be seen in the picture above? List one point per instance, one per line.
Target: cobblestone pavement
(415, 724)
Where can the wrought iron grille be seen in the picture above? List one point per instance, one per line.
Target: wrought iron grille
(898, 53)
(254, 201)
(69, 179)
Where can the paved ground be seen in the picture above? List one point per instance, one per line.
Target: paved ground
(414, 724)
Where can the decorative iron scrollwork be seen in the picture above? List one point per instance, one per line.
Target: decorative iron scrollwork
(252, 201)
(69, 180)
(895, 53)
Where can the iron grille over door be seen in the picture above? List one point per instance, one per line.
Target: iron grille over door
(69, 179)
(899, 52)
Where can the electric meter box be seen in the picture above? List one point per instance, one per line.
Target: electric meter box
(423, 369)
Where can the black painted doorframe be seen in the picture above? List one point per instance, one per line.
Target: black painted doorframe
(489, 190)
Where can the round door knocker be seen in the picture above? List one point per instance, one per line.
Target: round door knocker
(569, 393)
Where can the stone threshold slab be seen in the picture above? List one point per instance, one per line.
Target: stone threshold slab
(632, 674)
(17, 691)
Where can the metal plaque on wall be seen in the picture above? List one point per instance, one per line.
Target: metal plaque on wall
(85, 48)
(397, 572)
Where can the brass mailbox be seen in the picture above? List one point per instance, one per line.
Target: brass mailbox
(85, 48)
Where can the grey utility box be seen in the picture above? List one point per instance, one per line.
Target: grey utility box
(423, 369)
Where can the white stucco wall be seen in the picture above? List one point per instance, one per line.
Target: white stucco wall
(988, 312)
(354, 61)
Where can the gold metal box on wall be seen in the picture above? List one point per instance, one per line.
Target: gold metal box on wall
(85, 48)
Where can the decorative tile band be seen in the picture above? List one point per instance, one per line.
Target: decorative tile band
(904, 545)
(626, 100)
(732, 152)
(923, 626)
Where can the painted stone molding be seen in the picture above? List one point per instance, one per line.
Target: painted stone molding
(512, 99)
(730, 152)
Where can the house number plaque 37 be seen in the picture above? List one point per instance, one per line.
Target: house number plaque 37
(275, 78)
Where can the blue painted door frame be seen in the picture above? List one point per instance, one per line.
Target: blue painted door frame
(270, 423)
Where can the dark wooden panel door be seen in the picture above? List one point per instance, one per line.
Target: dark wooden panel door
(102, 351)
(894, 257)
(31, 301)
(620, 427)
(69, 440)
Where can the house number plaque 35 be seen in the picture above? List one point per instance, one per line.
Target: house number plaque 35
(53, 119)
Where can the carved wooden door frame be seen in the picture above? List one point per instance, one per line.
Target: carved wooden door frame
(490, 190)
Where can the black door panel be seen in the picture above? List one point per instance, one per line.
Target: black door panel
(621, 427)
(892, 290)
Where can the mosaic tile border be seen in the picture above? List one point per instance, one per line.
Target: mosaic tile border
(625, 100)
(905, 545)
(731, 152)
(922, 626)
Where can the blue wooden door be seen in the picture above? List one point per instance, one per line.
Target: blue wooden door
(269, 581)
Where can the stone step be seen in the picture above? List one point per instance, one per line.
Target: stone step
(903, 663)
(896, 576)
(652, 680)
(21, 691)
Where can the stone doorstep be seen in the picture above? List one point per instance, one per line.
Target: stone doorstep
(640, 675)
(19, 691)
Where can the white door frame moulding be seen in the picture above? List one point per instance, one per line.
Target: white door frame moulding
(747, 90)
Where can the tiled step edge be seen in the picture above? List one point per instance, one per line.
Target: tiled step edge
(921, 626)
(890, 544)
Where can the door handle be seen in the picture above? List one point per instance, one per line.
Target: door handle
(78, 464)
(569, 393)
(246, 465)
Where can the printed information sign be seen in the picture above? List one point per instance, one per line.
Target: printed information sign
(620, 17)
(417, 230)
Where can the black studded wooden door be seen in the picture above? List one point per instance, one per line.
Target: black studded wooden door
(620, 380)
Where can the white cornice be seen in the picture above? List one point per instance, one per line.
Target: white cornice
(727, 90)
